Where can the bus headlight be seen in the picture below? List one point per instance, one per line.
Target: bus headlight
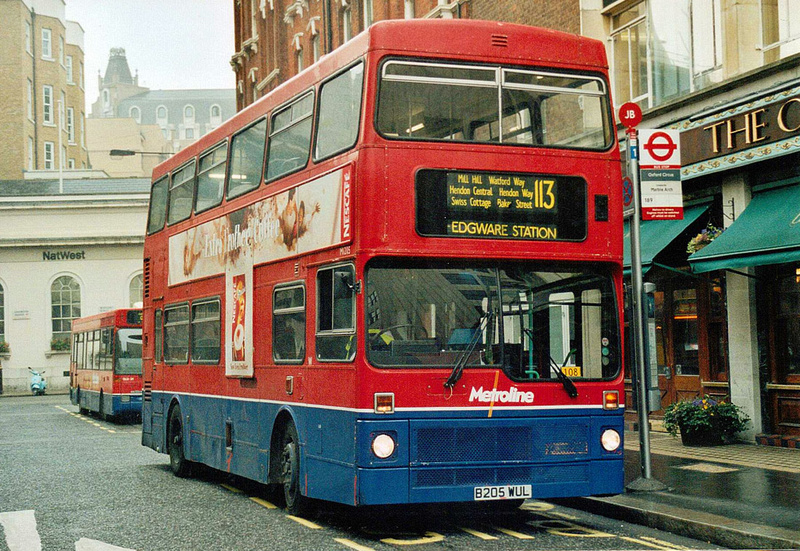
(383, 446)
(610, 440)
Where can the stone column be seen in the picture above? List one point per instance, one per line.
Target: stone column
(741, 312)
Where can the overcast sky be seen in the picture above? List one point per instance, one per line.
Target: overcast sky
(174, 44)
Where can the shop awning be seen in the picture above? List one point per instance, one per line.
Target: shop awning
(766, 232)
(656, 235)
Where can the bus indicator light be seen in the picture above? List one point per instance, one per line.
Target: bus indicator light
(610, 399)
(384, 402)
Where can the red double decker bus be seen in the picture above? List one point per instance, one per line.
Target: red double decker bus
(105, 371)
(397, 278)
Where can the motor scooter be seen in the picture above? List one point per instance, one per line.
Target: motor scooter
(38, 384)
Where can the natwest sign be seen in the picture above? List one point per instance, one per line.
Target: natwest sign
(722, 135)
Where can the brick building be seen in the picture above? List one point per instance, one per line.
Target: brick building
(42, 95)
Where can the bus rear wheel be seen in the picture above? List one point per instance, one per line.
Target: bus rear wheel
(177, 458)
(296, 502)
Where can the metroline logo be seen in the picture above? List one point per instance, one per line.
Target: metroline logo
(511, 396)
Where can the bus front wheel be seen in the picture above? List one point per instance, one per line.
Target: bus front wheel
(177, 458)
(296, 502)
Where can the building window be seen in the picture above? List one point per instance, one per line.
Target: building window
(706, 37)
(71, 163)
(347, 24)
(30, 99)
(61, 51)
(289, 324)
(28, 33)
(30, 153)
(299, 58)
(135, 289)
(3, 318)
(787, 333)
(188, 114)
(651, 52)
(409, 9)
(315, 47)
(47, 104)
(47, 44)
(367, 7)
(71, 124)
(161, 115)
(216, 113)
(189, 133)
(49, 154)
(780, 27)
(135, 113)
(106, 98)
(69, 70)
(62, 123)
(65, 300)
(83, 142)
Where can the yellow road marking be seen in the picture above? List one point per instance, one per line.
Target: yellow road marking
(512, 533)
(642, 542)
(537, 506)
(231, 488)
(352, 544)
(664, 543)
(562, 515)
(430, 537)
(263, 503)
(304, 522)
(477, 534)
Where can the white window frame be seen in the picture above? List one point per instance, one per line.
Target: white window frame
(62, 51)
(71, 124)
(135, 113)
(30, 100)
(369, 17)
(347, 23)
(49, 155)
(30, 153)
(188, 119)
(70, 76)
(28, 37)
(47, 105)
(47, 44)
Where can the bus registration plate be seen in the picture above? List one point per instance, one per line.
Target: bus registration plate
(486, 493)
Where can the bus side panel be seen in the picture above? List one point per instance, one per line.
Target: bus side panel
(328, 454)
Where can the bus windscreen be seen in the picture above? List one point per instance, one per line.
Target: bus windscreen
(128, 352)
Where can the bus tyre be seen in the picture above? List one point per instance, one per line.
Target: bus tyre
(177, 459)
(296, 502)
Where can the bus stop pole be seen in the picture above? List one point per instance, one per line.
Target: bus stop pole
(646, 482)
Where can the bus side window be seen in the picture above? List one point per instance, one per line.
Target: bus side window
(339, 113)
(157, 331)
(181, 194)
(290, 137)
(211, 178)
(206, 331)
(247, 159)
(176, 334)
(158, 205)
(336, 314)
(289, 324)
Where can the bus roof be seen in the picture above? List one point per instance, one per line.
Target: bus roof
(456, 39)
(104, 319)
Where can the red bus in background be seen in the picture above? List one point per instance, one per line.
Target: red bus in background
(105, 373)
(397, 278)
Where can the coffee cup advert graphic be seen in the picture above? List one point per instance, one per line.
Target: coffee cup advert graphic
(239, 311)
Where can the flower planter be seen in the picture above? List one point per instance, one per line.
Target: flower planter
(701, 437)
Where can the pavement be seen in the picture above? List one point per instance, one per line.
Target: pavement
(740, 496)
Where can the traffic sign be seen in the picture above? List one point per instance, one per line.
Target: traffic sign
(660, 149)
(627, 191)
(630, 114)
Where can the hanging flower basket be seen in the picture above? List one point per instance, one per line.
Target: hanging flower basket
(704, 238)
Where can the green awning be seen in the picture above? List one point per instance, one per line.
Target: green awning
(656, 235)
(766, 232)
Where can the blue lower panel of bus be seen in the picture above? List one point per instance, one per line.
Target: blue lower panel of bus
(555, 452)
(108, 404)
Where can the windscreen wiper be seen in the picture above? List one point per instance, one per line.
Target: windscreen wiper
(461, 361)
(565, 381)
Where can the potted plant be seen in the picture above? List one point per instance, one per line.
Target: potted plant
(705, 421)
(705, 237)
(59, 345)
(5, 348)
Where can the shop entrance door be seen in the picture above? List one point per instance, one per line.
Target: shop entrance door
(678, 341)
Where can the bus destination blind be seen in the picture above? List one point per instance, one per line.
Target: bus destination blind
(501, 205)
